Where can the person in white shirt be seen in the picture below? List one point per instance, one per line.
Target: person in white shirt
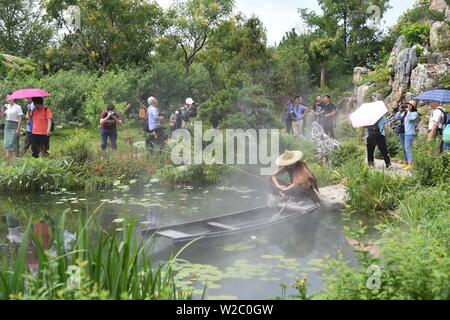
(436, 124)
(13, 118)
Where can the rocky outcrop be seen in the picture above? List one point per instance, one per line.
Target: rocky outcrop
(360, 94)
(402, 63)
(441, 6)
(426, 76)
(358, 74)
(398, 46)
(440, 36)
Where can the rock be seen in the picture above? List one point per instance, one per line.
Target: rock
(441, 6)
(426, 76)
(409, 96)
(360, 94)
(324, 144)
(139, 144)
(333, 197)
(406, 61)
(440, 36)
(358, 73)
(345, 105)
(398, 46)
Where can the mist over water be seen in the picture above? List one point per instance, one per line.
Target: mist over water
(250, 266)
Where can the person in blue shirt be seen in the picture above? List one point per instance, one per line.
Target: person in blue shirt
(28, 137)
(410, 122)
(287, 118)
(377, 136)
(154, 123)
(297, 112)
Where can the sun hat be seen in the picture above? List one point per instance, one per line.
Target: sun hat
(189, 101)
(288, 158)
(413, 103)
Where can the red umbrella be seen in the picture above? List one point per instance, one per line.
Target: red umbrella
(29, 93)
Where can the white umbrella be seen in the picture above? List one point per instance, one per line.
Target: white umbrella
(368, 114)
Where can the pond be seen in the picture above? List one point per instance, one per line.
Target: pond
(249, 267)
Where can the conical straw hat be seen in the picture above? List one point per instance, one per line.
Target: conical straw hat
(288, 158)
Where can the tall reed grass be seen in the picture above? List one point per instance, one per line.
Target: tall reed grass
(114, 265)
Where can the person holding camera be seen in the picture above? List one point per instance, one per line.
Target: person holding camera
(296, 113)
(398, 126)
(109, 120)
(410, 119)
(175, 120)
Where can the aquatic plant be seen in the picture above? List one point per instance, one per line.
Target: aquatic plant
(37, 174)
(97, 265)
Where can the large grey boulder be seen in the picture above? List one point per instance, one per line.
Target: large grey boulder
(440, 36)
(426, 76)
(406, 61)
(398, 46)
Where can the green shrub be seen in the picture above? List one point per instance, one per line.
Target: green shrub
(290, 142)
(430, 167)
(111, 88)
(192, 174)
(349, 151)
(417, 33)
(371, 191)
(444, 82)
(394, 147)
(414, 255)
(325, 176)
(412, 268)
(76, 148)
(29, 174)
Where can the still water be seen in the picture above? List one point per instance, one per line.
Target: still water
(249, 267)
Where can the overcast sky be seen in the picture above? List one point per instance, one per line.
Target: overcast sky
(281, 15)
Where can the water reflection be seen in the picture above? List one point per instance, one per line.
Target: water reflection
(251, 266)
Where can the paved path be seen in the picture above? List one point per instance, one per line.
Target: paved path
(395, 171)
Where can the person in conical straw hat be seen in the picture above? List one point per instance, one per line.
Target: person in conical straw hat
(302, 182)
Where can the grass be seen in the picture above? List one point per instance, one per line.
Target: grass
(112, 265)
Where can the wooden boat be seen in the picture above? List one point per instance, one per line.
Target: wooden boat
(231, 225)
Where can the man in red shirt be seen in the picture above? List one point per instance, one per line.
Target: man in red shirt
(42, 124)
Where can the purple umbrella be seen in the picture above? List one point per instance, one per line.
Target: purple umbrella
(29, 93)
(442, 96)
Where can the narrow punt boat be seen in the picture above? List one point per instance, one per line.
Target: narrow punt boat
(230, 225)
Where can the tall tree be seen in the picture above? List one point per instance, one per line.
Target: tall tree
(322, 51)
(112, 32)
(350, 19)
(193, 21)
(23, 29)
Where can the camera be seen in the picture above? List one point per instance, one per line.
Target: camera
(292, 116)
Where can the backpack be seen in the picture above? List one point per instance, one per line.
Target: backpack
(446, 134)
(445, 116)
(193, 111)
(374, 130)
(184, 114)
